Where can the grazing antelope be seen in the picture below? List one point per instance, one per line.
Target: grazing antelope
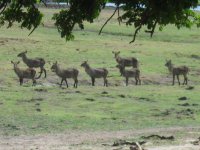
(66, 73)
(24, 73)
(33, 63)
(130, 61)
(95, 73)
(176, 71)
(133, 72)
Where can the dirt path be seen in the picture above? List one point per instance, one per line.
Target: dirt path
(97, 140)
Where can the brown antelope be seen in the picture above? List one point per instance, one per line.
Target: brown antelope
(131, 73)
(66, 73)
(24, 73)
(95, 73)
(33, 63)
(176, 71)
(129, 61)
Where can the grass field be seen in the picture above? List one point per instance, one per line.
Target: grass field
(46, 108)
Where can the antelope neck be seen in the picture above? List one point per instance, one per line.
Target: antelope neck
(17, 70)
(171, 66)
(88, 69)
(87, 66)
(58, 68)
(24, 58)
(117, 57)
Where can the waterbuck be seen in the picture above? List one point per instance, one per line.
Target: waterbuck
(131, 73)
(33, 63)
(24, 73)
(95, 73)
(176, 71)
(65, 73)
(129, 61)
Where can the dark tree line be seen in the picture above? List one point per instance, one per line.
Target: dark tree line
(138, 13)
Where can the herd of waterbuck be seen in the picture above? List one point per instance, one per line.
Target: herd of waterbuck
(122, 63)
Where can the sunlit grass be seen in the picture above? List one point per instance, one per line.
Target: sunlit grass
(25, 110)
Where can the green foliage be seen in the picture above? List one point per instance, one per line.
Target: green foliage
(24, 12)
(80, 10)
(139, 13)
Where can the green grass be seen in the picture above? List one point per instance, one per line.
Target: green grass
(25, 110)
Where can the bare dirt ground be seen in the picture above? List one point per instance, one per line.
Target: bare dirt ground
(79, 140)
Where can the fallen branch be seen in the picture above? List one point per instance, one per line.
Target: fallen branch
(138, 145)
(197, 142)
(124, 142)
(160, 137)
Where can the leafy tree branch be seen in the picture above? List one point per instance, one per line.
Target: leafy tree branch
(147, 14)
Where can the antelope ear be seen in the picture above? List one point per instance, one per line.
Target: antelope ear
(26, 51)
(118, 52)
(113, 52)
(12, 62)
(18, 62)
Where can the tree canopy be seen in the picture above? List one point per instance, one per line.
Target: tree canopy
(138, 13)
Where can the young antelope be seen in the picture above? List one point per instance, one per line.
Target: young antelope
(95, 73)
(33, 63)
(65, 73)
(176, 71)
(129, 61)
(24, 73)
(131, 73)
